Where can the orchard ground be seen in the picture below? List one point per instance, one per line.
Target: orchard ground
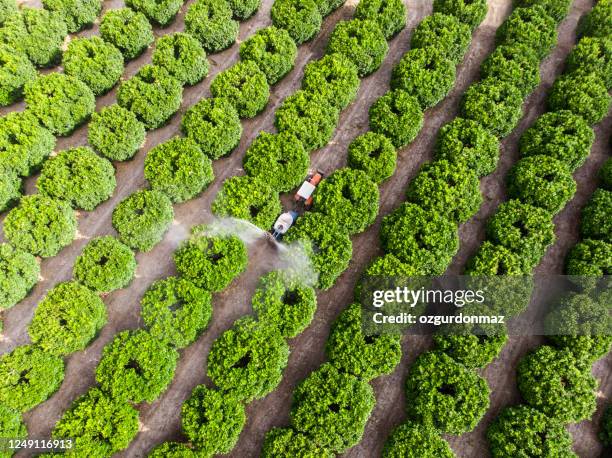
(161, 420)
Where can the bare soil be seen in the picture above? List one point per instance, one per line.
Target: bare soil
(160, 421)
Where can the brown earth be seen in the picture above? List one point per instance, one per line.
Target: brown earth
(161, 420)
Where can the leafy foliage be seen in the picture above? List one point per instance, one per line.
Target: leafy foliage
(105, 264)
(60, 102)
(557, 384)
(178, 168)
(590, 258)
(116, 133)
(250, 199)
(557, 9)
(353, 352)
(161, 12)
(128, 30)
(326, 243)
(362, 42)
(581, 325)
(248, 359)
(374, 154)
(79, 177)
(28, 376)
(18, 274)
(277, 159)
(446, 33)
(152, 95)
(142, 219)
(350, 198)
(10, 190)
(396, 115)
(99, 424)
(413, 440)
(532, 27)
(176, 310)
(328, 6)
(334, 77)
(212, 420)
(471, 349)
(596, 222)
(389, 14)
(284, 301)
(95, 62)
(40, 225)
(273, 50)
(424, 73)
(496, 105)
(15, 71)
(515, 64)
(311, 118)
(7, 9)
(332, 407)
(245, 86)
(592, 55)
(77, 14)
(301, 18)
(211, 262)
(420, 238)
(466, 142)
(582, 94)
(470, 12)
(288, 442)
(525, 431)
(542, 181)
(525, 230)
(446, 394)
(36, 32)
(24, 143)
(452, 191)
(182, 56)
(11, 424)
(211, 23)
(597, 22)
(214, 125)
(136, 367)
(244, 9)
(559, 134)
(67, 319)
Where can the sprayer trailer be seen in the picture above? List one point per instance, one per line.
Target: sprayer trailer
(304, 194)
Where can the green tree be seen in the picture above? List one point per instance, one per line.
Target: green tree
(105, 264)
(135, 366)
(273, 50)
(116, 133)
(128, 30)
(67, 319)
(99, 424)
(176, 310)
(79, 177)
(178, 168)
(211, 262)
(40, 225)
(152, 95)
(28, 376)
(142, 219)
(60, 102)
(211, 23)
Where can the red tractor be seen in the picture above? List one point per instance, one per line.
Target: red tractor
(304, 194)
(303, 199)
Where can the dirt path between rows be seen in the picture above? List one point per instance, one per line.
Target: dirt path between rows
(161, 420)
